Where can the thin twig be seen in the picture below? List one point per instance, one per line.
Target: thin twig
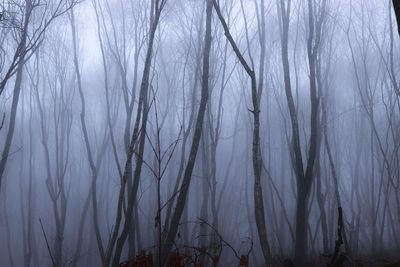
(47, 243)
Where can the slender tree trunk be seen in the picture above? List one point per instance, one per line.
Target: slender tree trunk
(142, 112)
(257, 161)
(10, 250)
(206, 179)
(185, 137)
(182, 197)
(396, 5)
(14, 104)
(79, 240)
(94, 166)
(321, 205)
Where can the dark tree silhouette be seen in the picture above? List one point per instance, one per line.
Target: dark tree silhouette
(396, 6)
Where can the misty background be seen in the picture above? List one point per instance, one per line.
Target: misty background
(227, 132)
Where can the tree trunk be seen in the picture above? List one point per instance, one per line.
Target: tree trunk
(396, 5)
(257, 161)
(142, 112)
(17, 90)
(181, 201)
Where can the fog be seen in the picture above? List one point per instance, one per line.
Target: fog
(199, 133)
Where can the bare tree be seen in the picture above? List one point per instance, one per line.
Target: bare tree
(116, 49)
(304, 177)
(184, 188)
(136, 140)
(94, 161)
(20, 15)
(57, 128)
(257, 161)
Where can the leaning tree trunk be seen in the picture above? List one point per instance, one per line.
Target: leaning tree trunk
(142, 111)
(396, 6)
(258, 196)
(181, 201)
(17, 90)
